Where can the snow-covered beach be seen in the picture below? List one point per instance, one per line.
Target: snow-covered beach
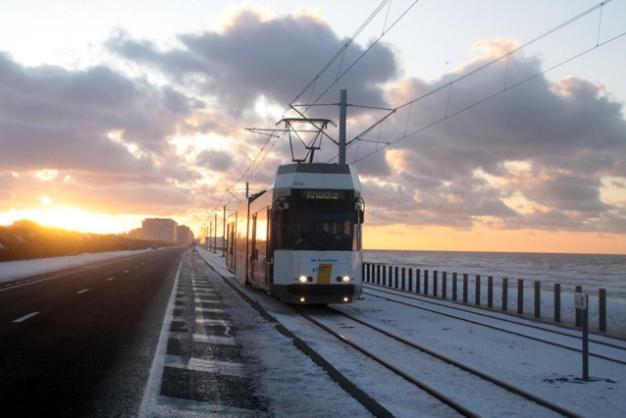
(591, 271)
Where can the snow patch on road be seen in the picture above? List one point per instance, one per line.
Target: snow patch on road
(12, 270)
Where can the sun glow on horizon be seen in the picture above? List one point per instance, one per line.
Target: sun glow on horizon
(72, 218)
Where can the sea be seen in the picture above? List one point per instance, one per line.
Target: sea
(591, 271)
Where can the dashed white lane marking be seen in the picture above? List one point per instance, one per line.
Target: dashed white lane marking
(207, 300)
(209, 310)
(213, 321)
(25, 317)
(81, 291)
(110, 278)
(214, 340)
(211, 366)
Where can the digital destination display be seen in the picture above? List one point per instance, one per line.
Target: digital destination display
(324, 194)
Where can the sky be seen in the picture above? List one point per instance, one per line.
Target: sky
(112, 111)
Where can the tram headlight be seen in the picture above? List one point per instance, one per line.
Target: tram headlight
(302, 300)
(302, 279)
(345, 279)
(346, 299)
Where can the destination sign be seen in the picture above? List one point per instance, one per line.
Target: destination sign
(324, 194)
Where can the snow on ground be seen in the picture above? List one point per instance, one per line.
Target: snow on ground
(12, 270)
(288, 379)
(560, 335)
(547, 371)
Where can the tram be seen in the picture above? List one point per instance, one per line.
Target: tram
(301, 240)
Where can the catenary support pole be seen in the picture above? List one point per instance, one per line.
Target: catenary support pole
(224, 231)
(343, 110)
(215, 234)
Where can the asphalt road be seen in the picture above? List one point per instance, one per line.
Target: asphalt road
(82, 344)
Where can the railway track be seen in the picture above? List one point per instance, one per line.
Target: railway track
(465, 389)
(448, 311)
(453, 385)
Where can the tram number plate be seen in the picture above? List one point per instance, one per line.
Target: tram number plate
(580, 301)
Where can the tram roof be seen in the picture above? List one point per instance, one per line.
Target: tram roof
(322, 168)
(317, 176)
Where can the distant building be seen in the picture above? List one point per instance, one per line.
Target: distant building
(159, 229)
(136, 233)
(184, 235)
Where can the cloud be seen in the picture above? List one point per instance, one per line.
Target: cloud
(535, 157)
(547, 143)
(255, 55)
(215, 160)
(87, 120)
(92, 137)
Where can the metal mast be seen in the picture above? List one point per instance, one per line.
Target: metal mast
(343, 107)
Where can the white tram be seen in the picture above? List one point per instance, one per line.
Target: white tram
(301, 240)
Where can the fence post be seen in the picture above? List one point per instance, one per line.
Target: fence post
(435, 285)
(602, 308)
(378, 274)
(363, 272)
(426, 282)
(444, 285)
(537, 299)
(395, 281)
(403, 277)
(454, 286)
(490, 292)
(464, 287)
(477, 290)
(505, 294)
(384, 268)
(418, 275)
(579, 321)
(390, 276)
(410, 279)
(520, 296)
(557, 302)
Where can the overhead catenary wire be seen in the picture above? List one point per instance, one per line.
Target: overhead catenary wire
(370, 46)
(494, 95)
(340, 53)
(271, 141)
(489, 63)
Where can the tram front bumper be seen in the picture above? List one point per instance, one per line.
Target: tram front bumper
(316, 293)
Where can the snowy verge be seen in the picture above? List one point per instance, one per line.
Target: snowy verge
(12, 270)
(547, 371)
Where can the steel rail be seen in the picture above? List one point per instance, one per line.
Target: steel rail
(498, 382)
(519, 334)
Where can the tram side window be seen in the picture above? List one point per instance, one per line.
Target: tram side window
(261, 237)
(281, 230)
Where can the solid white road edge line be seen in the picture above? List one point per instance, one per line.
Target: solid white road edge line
(110, 278)
(153, 385)
(25, 317)
(80, 292)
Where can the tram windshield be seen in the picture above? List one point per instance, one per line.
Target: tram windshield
(318, 226)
